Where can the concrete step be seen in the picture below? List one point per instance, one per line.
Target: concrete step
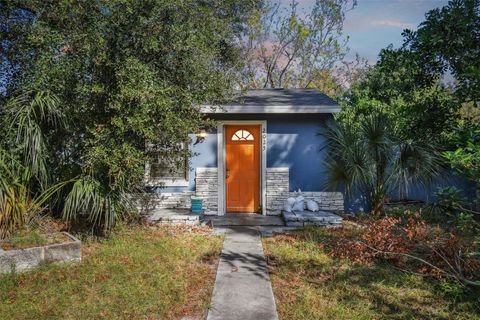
(244, 220)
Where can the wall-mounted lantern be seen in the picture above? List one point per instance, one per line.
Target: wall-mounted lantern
(201, 136)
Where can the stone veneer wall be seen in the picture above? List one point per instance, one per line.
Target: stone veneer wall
(176, 200)
(330, 201)
(206, 186)
(278, 191)
(277, 181)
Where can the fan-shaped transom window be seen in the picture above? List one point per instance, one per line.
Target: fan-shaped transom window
(242, 135)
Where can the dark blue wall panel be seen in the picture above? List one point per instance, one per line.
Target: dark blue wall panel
(295, 141)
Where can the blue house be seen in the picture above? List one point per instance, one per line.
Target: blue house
(265, 148)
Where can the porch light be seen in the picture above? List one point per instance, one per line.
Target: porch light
(200, 136)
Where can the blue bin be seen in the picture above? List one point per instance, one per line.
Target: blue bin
(197, 205)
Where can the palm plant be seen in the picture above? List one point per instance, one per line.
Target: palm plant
(20, 205)
(25, 183)
(24, 188)
(370, 159)
(28, 116)
(100, 205)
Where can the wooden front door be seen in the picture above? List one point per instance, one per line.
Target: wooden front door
(242, 168)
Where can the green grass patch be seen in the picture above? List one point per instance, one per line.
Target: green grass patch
(310, 284)
(24, 239)
(137, 273)
(30, 239)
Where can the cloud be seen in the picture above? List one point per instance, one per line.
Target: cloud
(393, 23)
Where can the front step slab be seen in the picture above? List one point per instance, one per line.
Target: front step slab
(245, 220)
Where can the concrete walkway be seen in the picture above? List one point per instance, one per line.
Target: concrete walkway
(242, 286)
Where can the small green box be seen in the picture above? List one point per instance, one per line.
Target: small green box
(197, 205)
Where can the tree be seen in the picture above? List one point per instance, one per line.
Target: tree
(449, 41)
(336, 82)
(423, 109)
(286, 48)
(369, 158)
(124, 72)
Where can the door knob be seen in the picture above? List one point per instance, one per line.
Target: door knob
(227, 174)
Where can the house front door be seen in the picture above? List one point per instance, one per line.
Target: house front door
(242, 174)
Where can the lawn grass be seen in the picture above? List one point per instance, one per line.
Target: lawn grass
(137, 273)
(25, 240)
(309, 284)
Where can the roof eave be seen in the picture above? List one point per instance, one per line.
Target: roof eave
(273, 109)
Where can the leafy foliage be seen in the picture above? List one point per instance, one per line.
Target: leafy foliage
(409, 87)
(20, 205)
(29, 117)
(454, 210)
(25, 188)
(121, 73)
(449, 40)
(369, 158)
(466, 159)
(419, 107)
(101, 208)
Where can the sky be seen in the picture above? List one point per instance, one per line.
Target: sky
(374, 24)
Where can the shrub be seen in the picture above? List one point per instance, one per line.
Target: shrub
(451, 209)
(19, 204)
(413, 245)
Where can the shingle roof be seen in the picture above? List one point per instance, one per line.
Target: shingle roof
(278, 101)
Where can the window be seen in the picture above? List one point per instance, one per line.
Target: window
(161, 171)
(242, 135)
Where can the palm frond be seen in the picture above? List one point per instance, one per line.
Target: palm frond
(89, 200)
(18, 204)
(369, 158)
(415, 164)
(26, 114)
(347, 163)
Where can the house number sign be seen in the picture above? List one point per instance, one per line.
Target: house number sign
(264, 139)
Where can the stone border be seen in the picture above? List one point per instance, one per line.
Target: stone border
(278, 187)
(21, 260)
(174, 216)
(309, 218)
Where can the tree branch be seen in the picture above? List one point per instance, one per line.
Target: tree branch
(454, 275)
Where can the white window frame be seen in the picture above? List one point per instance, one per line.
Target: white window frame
(167, 182)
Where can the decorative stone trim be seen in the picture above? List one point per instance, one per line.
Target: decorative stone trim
(276, 192)
(174, 216)
(206, 187)
(21, 260)
(277, 189)
(331, 201)
(173, 200)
